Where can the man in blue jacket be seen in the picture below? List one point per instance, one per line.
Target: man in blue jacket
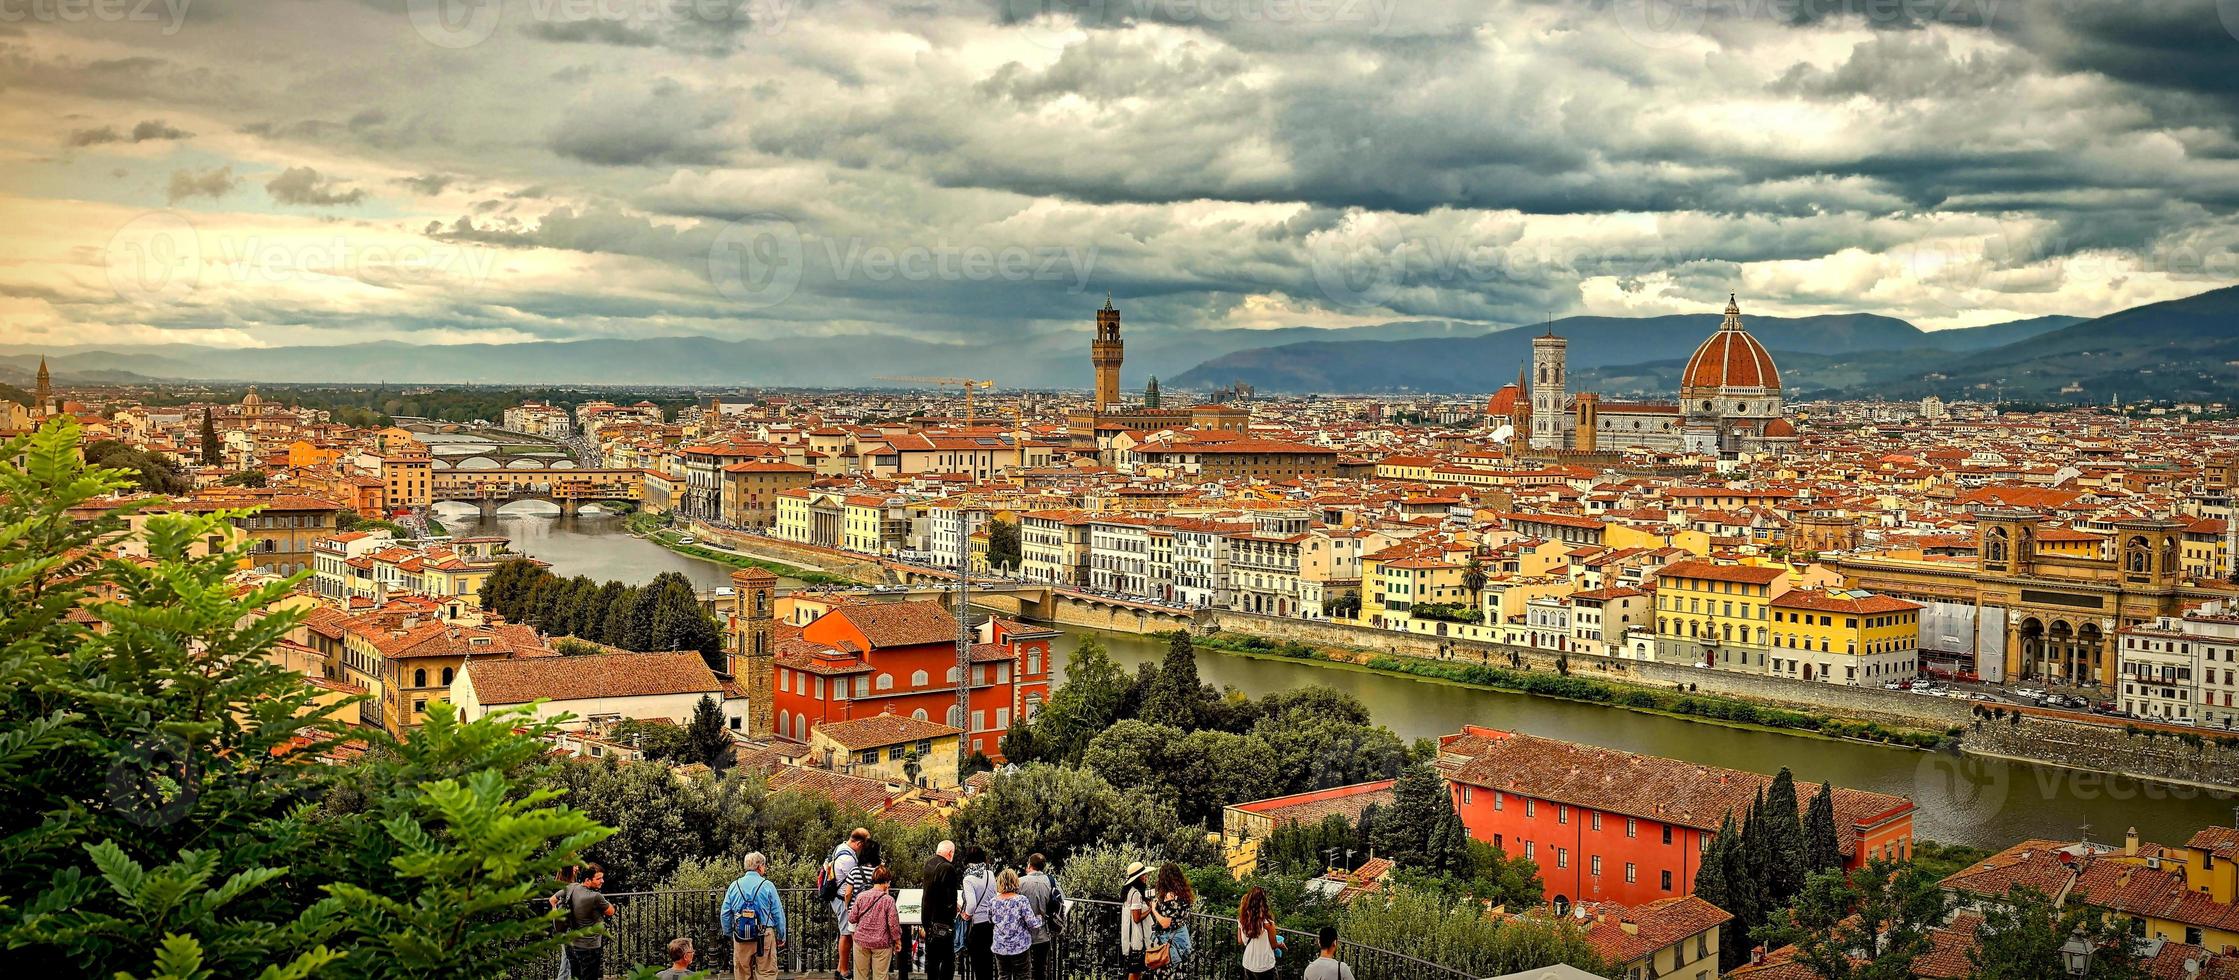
(754, 918)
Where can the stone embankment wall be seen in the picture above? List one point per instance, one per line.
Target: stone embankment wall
(1841, 700)
(861, 568)
(1066, 610)
(2174, 758)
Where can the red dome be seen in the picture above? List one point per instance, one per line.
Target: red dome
(1730, 358)
(1504, 401)
(1780, 429)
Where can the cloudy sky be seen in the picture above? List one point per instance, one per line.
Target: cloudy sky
(980, 171)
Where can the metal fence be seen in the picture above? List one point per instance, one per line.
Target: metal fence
(1086, 949)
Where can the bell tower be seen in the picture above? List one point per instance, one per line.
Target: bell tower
(2006, 540)
(1549, 392)
(42, 392)
(753, 646)
(1106, 352)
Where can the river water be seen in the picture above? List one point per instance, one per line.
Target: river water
(1983, 802)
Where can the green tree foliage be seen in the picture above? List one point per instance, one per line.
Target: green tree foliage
(1093, 696)
(147, 472)
(1473, 574)
(212, 451)
(1053, 809)
(163, 809)
(664, 615)
(706, 737)
(1174, 695)
(1785, 849)
(677, 621)
(1003, 548)
(1870, 925)
(1456, 933)
(1822, 849)
(246, 478)
(1417, 830)
(2021, 937)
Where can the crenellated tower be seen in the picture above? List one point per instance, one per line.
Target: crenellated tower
(1106, 352)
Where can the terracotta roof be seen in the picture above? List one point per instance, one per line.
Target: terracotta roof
(1753, 574)
(1656, 926)
(883, 730)
(900, 624)
(1823, 600)
(613, 675)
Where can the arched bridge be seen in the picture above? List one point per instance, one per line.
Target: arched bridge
(570, 488)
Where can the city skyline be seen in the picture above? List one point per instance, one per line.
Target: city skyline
(439, 173)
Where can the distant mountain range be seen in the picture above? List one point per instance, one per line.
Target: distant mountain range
(2181, 349)
(1614, 354)
(688, 361)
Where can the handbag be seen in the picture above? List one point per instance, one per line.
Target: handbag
(1158, 957)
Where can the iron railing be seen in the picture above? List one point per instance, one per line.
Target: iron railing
(1086, 949)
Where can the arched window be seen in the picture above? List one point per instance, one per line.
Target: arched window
(919, 714)
(2137, 555)
(920, 679)
(886, 682)
(956, 716)
(1994, 545)
(952, 675)
(447, 676)
(420, 677)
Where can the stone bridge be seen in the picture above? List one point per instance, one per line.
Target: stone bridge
(570, 488)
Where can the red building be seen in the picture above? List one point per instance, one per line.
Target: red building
(1611, 826)
(865, 659)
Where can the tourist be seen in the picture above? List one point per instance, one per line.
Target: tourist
(837, 870)
(878, 926)
(754, 918)
(587, 909)
(1048, 900)
(941, 883)
(567, 877)
(680, 960)
(1135, 925)
(868, 859)
(979, 936)
(1257, 933)
(1171, 912)
(1013, 919)
(1326, 966)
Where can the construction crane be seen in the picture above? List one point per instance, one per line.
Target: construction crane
(968, 384)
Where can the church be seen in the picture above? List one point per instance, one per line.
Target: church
(1729, 404)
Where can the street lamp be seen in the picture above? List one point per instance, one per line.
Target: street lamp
(2076, 954)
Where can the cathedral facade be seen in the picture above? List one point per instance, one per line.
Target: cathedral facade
(1729, 404)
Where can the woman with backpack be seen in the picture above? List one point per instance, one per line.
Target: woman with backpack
(979, 932)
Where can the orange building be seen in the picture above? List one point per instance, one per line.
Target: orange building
(1611, 826)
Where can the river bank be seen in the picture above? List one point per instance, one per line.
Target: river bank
(812, 576)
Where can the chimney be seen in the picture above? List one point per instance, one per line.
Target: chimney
(2130, 842)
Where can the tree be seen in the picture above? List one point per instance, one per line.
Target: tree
(2020, 938)
(1473, 574)
(157, 813)
(1870, 925)
(1822, 849)
(1317, 752)
(212, 452)
(1456, 933)
(676, 621)
(1784, 847)
(1091, 699)
(1134, 754)
(1416, 819)
(706, 737)
(1054, 810)
(1210, 769)
(1004, 550)
(1175, 696)
(246, 478)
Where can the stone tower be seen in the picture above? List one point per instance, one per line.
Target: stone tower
(1105, 352)
(753, 649)
(1588, 437)
(1548, 391)
(42, 394)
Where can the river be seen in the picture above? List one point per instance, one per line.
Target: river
(1984, 802)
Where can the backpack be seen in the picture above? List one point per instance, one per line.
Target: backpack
(827, 880)
(747, 928)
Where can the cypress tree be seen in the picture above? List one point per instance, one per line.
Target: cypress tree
(615, 630)
(1822, 848)
(1175, 696)
(212, 452)
(1784, 844)
(705, 735)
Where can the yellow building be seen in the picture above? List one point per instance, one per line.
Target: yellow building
(406, 475)
(280, 533)
(1844, 637)
(1716, 615)
(883, 746)
(872, 525)
(1397, 579)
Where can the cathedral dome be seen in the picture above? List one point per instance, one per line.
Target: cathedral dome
(1504, 401)
(1780, 429)
(1730, 358)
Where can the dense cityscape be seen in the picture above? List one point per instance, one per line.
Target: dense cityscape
(1119, 490)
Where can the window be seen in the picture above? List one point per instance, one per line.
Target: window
(1465, 795)
(446, 676)
(1597, 819)
(920, 679)
(1562, 857)
(1595, 864)
(420, 677)
(979, 721)
(1531, 850)
(1632, 827)
(1562, 813)
(1632, 873)
(1496, 800)
(1531, 809)
(886, 682)
(1667, 834)
(1667, 880)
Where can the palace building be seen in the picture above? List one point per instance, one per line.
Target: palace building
(2023, 611)
(1108, 417)
(1729, 404)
